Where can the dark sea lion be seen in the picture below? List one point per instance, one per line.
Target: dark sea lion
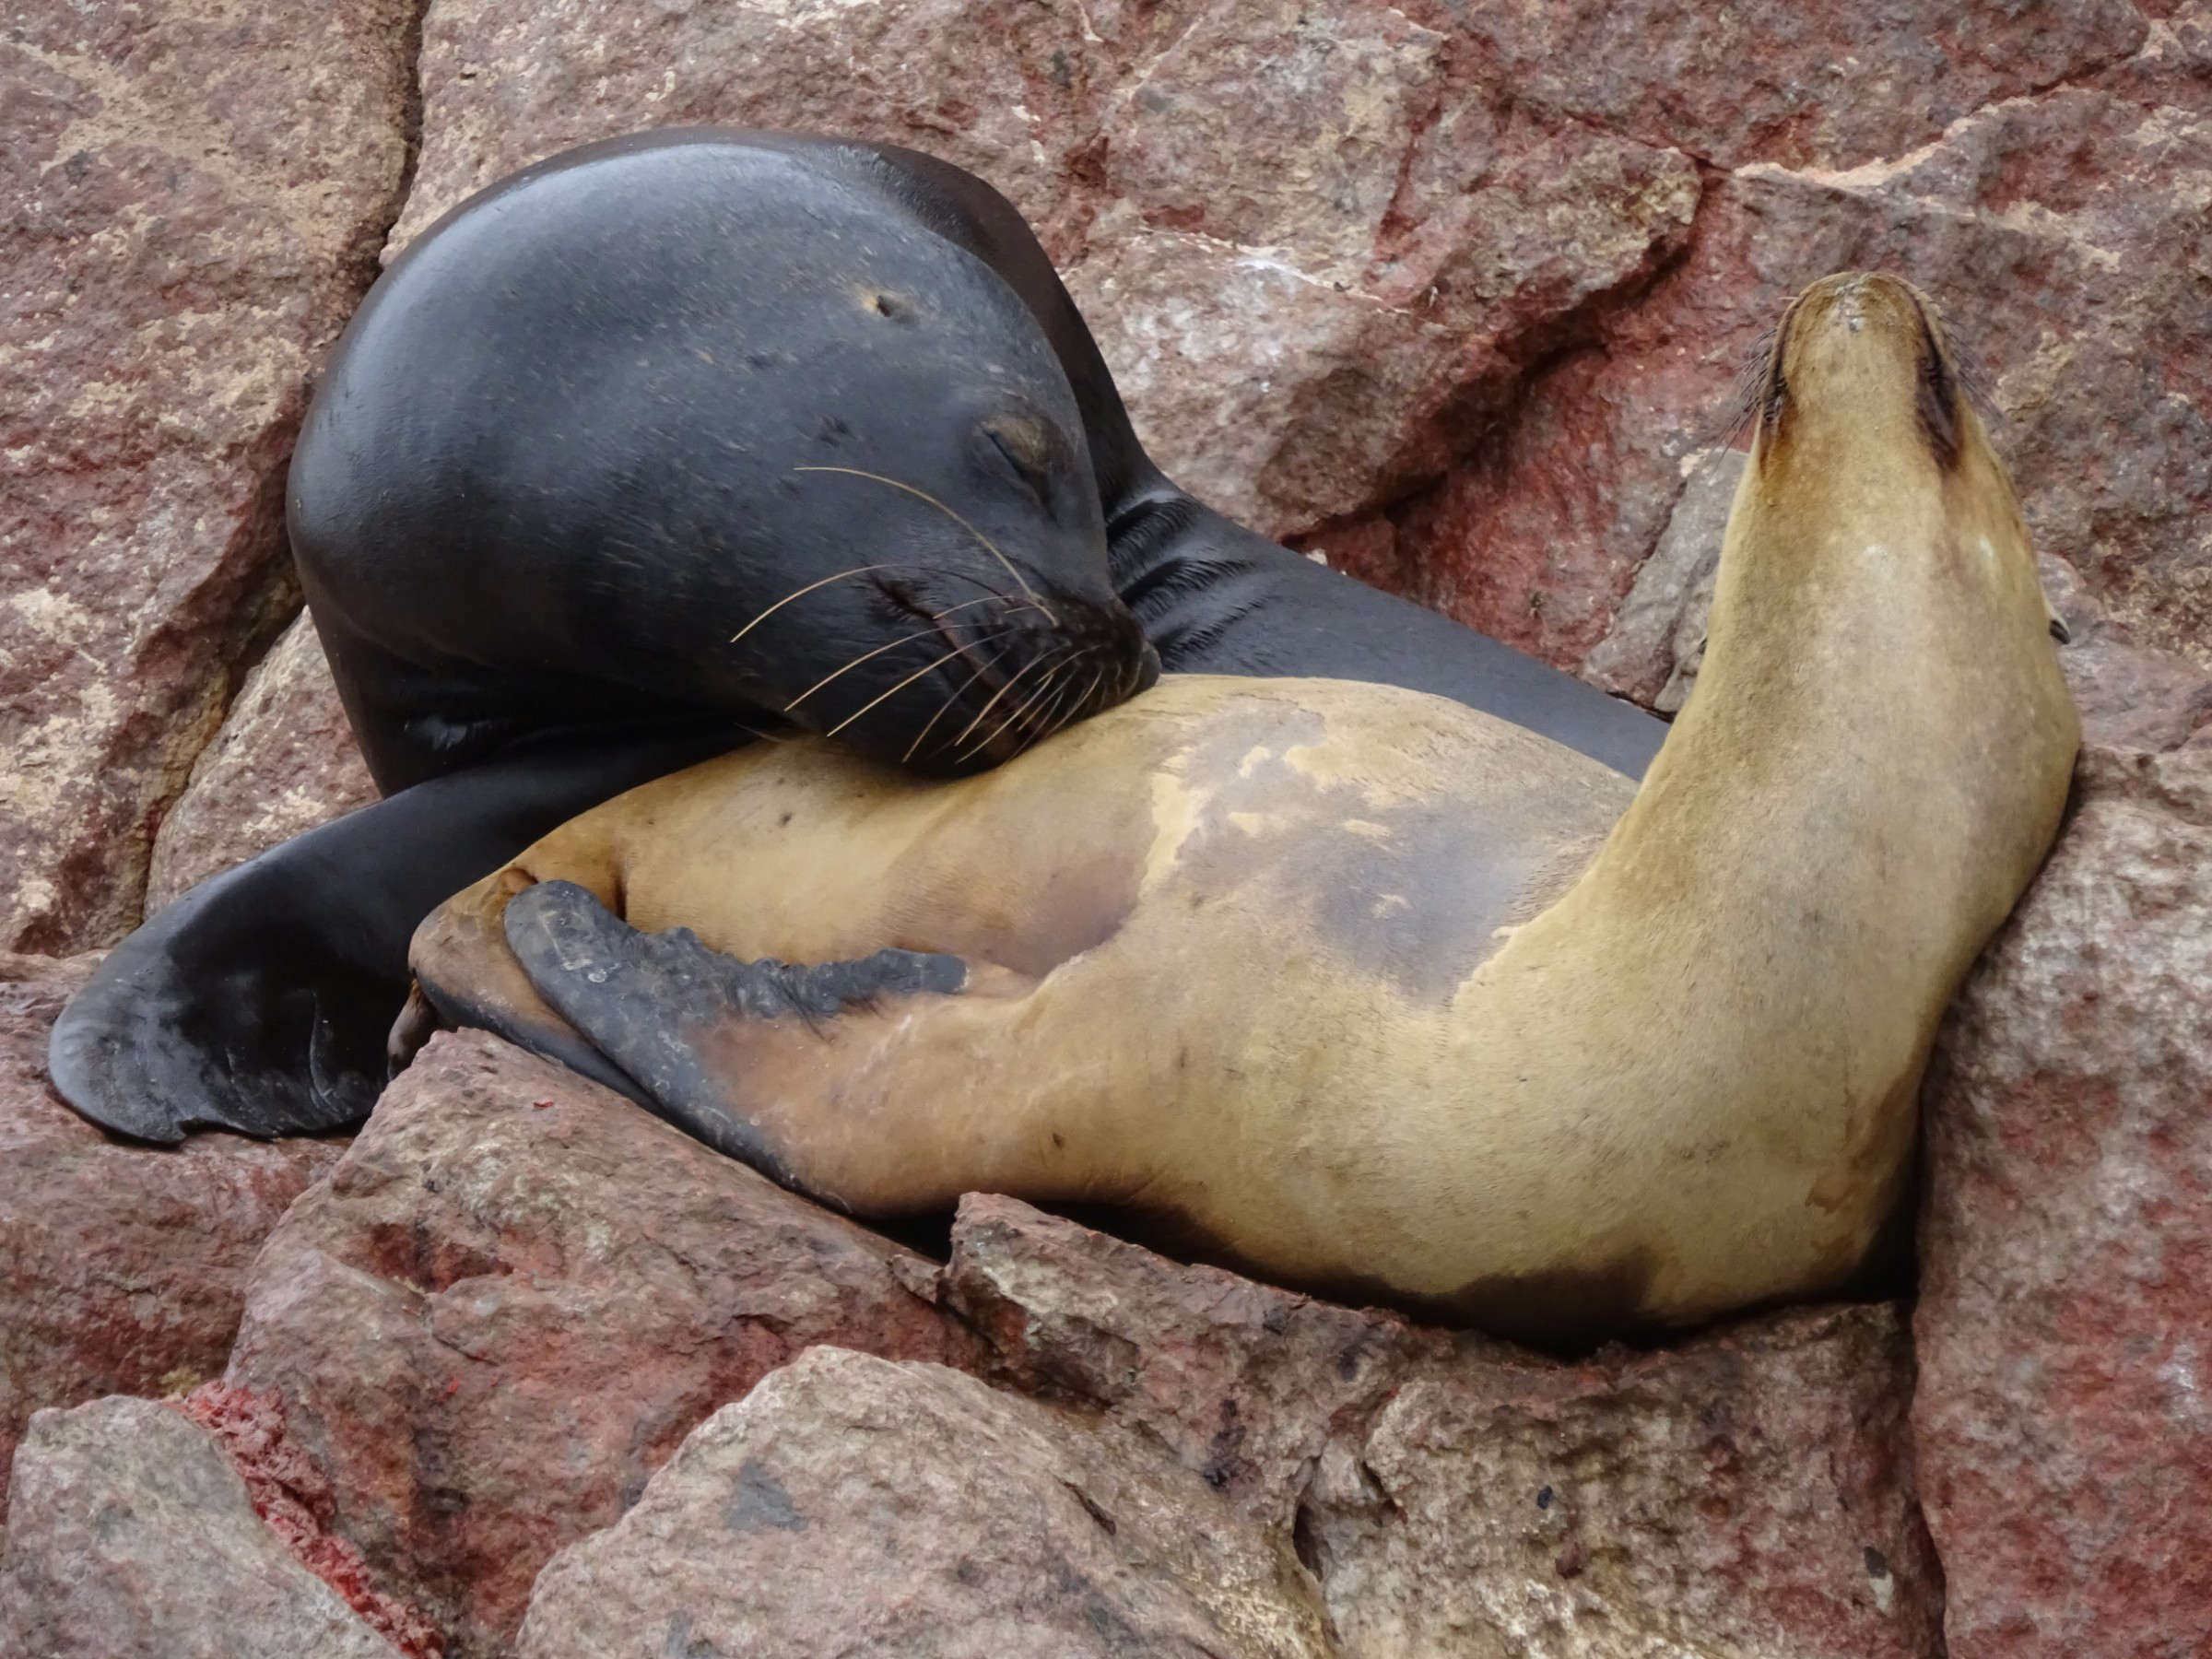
(659, 440)
(1373, 993)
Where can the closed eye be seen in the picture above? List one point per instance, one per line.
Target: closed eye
(1025, 465)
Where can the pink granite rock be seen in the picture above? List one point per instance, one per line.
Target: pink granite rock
(130, 1536)
(1317, 254)
(1813, 86)
(2059, 229)
(284, 762)
(123, 1268)
(2065, 1411)
(1746, 1492)
(1007, 87)
(849, 1505)
(197, 193)
(512, 1300)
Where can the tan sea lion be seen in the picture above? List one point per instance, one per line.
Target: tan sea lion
(1371, 991)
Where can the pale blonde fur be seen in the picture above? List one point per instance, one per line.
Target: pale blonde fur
(1327, 974)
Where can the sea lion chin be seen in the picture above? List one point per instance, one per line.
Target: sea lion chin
(1370, 991)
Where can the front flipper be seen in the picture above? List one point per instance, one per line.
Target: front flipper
(668, 1010)
(232, 1010)
(260, 1000)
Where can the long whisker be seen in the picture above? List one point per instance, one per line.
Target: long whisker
(1014, 679)
(809, 588)
(920, 634)
(1008, 724)
(1067, 717)
(901, 685)
(951, 702)
(924, 495)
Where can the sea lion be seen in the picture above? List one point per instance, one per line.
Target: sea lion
(654, 443)
(1371, 992)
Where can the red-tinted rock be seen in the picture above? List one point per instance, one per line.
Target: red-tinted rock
(1316, 255)
(123, 1269)
(849, 1505)
(512, 1300)
(1746, 1492)
(197, 192)
(284, 762)
(293, 1495)
(2064, 1412)
(1810, 86)
(130, 1536)
(1004, 88)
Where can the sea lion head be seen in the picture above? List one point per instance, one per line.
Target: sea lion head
(948, 597)
(988, 620)
(1864, 436)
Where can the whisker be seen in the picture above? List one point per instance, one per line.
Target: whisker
(951, 702)
(1059, 666)
(920, 634)
(825, 581)
(1081, 703)
(901, 685)
(984, 712)
(924, 495)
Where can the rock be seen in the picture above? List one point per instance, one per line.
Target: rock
(1806, 86)
(1004, 88)
(512, 1300)
(123, 1268)
(284, 762)
(197, 192)
(1747, 1491)
(849, 1505)
(2131, 696)
(1243, 1382)
(1223, 354)
(130, 1536)
(1316, 250)
(2060, 228)
(2065, 1434)
(1658, 640)
(291, 1493)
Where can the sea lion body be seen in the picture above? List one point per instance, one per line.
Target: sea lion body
(662, 443)
(1368, 992)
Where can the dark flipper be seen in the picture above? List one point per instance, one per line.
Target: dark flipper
(260, 1000)
(661, 1005)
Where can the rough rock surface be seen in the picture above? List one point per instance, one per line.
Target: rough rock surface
(1748, 1492)
(290, 1492)
(1461, 293)
(852, 1505)
(2065, 1411)
(514, 1298)
(123, 1268)
(197, 192)
(284, 762)
(1310, 248)
(130, 1536)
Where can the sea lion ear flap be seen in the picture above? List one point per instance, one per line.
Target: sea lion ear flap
(674, 1013)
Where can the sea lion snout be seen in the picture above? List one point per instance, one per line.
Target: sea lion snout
(1864, 353)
